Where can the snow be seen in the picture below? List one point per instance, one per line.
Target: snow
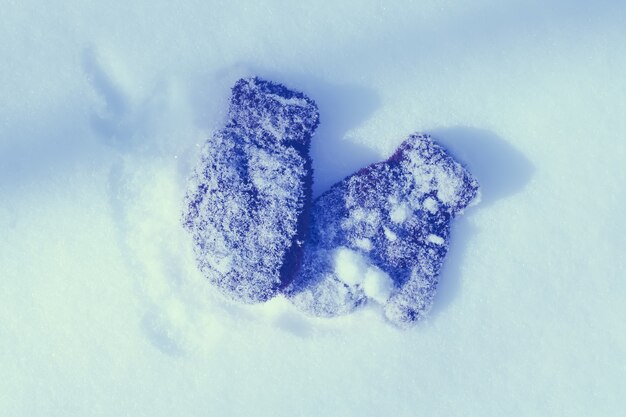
(104, 108)
(377, 284)
(364, 244)
(389, 234)
(349, 266)
(354, 270)
(431, 205)
(399, 213)
(437, 240)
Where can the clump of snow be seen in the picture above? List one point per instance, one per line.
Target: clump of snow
(389, 234)
(355, 271)
(377, 284)
(364, 243)
(349, 266)
(399, 213)
(437, 240)
(431, 205)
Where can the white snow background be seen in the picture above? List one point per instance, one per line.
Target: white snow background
(103, 107)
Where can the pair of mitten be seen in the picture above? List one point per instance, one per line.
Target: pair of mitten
(379, 235)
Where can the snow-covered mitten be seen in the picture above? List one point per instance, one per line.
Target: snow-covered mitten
(248, 201)
(382, 233)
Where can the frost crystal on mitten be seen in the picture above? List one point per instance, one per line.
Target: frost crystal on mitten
(248, 200)
(382, 233)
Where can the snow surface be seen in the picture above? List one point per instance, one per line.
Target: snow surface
(104, 108)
